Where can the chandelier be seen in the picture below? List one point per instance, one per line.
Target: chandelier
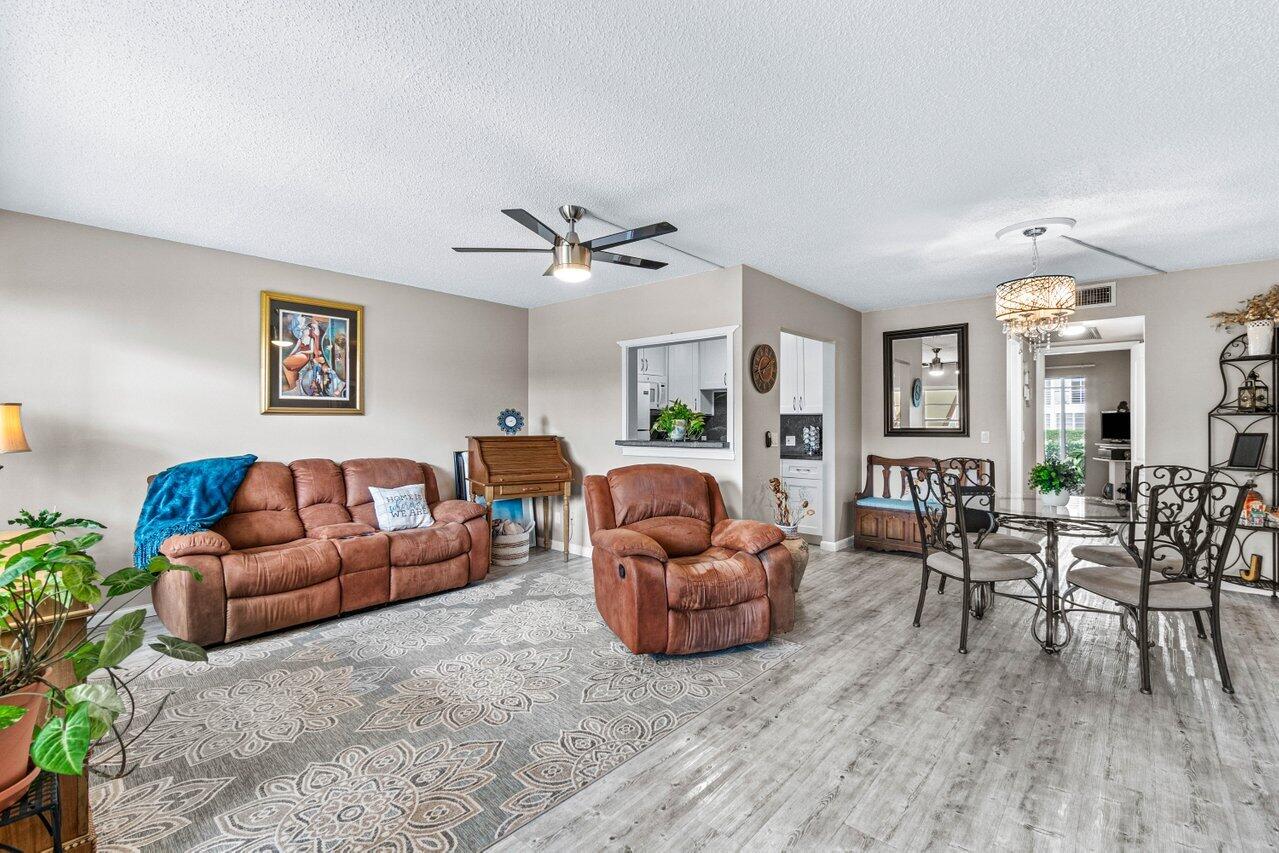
(1037, 306)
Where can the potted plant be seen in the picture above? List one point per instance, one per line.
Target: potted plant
(1257, 317)
(40, 586)
(1055, 479)
(679, 422)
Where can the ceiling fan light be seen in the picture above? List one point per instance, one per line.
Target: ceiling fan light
(572, 263)
(571, 273)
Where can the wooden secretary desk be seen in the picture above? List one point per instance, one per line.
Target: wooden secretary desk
(521, 466)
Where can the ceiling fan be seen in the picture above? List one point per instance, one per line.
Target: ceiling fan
(936, 367)
(571, 257)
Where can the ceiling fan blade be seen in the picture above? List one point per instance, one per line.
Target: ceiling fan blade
(657, 229)
(485, 249)
(612, 258)
(532, 223)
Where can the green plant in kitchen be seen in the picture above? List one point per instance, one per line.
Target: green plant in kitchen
(678, 410)
(1054, 476)
(47, 573)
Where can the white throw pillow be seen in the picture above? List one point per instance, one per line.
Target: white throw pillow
(401, 508)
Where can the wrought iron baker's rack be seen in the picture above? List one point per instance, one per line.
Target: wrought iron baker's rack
(1225, 421)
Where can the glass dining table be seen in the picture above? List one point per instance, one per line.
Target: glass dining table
(1081, 518)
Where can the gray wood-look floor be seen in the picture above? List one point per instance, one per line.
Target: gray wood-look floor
(878, 735)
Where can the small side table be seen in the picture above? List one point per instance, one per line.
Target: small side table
(40, 801)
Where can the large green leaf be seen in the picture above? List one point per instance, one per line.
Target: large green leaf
(10, 714)
(85, 659)
(27, 536)
(83, 543)
(104, 705)
(122, 639)
(180, 649)
(61, 744)
(17, 566)
(128, 580)
(80, 579)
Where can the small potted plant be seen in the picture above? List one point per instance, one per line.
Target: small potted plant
(46, 574)
(1055, 479)
(1257, 317)
(678, 422)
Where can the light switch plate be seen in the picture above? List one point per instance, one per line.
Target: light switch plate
(790, 441)
(985, 436)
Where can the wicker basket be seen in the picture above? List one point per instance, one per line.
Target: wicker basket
(512, 549)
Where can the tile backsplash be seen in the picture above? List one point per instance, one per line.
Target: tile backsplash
(793, 426)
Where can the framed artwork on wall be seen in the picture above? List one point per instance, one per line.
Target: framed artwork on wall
(312, 356)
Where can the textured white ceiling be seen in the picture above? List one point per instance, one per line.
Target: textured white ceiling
(867, 152)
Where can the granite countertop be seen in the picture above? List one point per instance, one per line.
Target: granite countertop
(705, 445)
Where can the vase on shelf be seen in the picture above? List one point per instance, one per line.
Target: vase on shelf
(1260, 335)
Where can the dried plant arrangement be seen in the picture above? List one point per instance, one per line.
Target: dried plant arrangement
(783, 510)
(1263, 306)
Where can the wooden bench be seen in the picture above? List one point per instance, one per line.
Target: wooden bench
(886, 522)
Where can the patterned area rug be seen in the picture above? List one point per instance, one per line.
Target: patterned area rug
(438, 724)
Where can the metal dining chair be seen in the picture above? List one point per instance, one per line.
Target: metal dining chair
(1143, 480)
(948, 550)
(1195, 522)
(977, 490)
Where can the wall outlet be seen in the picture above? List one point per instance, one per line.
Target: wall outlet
(790, 441)
(985, 436)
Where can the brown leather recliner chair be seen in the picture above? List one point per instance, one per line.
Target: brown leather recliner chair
(673, 574)
(300, 543)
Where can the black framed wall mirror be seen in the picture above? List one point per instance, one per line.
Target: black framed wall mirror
(926, 381)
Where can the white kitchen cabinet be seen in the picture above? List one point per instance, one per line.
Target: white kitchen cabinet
(788, 374)
(810, 381)
(681, 374)
(712, 364)
(652, 364)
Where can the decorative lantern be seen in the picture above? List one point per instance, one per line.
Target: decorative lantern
(1254, 394)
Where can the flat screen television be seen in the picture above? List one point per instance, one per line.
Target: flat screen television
(1115, 426)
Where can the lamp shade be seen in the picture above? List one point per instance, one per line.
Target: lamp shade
(12, 438)
(1038, 297)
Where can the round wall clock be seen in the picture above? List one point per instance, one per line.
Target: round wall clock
(763, 368)
(916, 393)
(510, 421)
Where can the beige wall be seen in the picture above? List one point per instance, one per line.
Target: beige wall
(575, 375)
(986, 354)
(131, 354)
(769, 306)
(575, 372)
(1182, 377)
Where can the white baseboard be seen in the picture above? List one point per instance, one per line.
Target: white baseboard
(573, 548)
(837, 545)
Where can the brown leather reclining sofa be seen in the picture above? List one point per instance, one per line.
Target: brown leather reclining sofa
(300, 543)
(673, 573)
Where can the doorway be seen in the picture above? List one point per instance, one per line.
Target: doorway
(806, 382)
(1082, 399)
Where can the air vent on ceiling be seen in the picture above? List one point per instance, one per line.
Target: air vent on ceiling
(1095, 295)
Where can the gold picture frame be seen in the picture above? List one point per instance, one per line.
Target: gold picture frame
(312, 356)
